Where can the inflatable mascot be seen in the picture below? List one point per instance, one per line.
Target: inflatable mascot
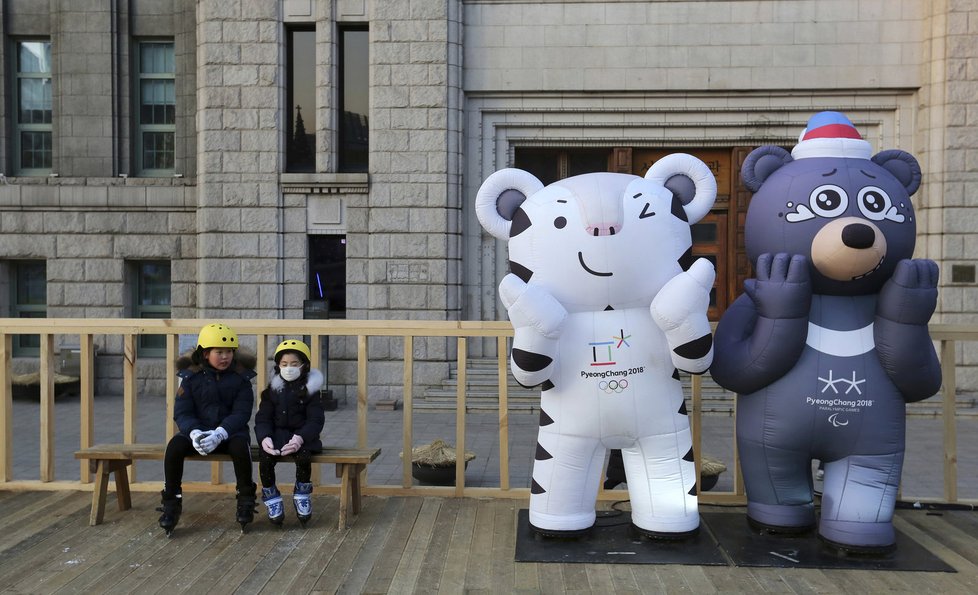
(829, 340)
(606, 304)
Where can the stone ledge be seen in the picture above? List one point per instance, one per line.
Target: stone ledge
(324, 183)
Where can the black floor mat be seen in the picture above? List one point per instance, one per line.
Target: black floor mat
(748, 547)
(612, 541)
(724, 539)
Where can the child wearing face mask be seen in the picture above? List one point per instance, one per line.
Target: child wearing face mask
(289, 419)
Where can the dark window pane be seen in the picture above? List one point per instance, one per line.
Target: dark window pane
(585, 161)
(704, 232)
(300, 142)
(542, 163)
(158, 150)
(31, 280)
(327, 272)
(35, 150)
(153, 285)
(158, 100)
(354, 100)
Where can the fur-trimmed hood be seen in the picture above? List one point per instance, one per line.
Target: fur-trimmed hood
(244, 363)
(314, 382)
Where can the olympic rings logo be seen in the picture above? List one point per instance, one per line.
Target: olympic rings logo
(613, 386)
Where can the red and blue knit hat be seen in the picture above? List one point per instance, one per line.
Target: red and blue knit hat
(831, 134)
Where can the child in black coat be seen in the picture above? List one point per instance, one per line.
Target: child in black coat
(289, 419)
(212, 410)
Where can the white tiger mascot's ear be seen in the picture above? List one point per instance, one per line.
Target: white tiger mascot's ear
(688, 178)
(500, 196)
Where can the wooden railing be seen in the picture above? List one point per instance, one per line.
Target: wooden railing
(261, 330)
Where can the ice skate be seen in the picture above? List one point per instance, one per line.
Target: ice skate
(302, 498)
(273, 503)
(171, 507)
(246, 505)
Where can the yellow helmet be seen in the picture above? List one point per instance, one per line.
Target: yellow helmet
(293, 345)
(217, 335)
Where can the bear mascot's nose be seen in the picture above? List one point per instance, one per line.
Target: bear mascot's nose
(859, 236)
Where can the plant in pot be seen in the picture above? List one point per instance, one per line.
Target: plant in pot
(434, 463)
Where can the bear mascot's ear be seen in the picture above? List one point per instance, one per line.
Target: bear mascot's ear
(761, 163)
(689, 179)
(902, 165)
(500, 196)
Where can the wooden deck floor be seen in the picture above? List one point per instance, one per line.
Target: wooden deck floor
(399, 545)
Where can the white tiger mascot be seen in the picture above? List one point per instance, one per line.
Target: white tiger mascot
(607, 306)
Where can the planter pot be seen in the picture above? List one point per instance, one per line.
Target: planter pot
(441, 475)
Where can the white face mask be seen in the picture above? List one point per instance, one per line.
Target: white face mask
(290, 374)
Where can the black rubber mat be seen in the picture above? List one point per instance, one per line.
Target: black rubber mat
(612, 541)
(746, 546)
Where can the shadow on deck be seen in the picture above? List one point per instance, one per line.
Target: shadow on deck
(398, 544)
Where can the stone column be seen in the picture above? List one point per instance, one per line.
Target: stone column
(239, 211)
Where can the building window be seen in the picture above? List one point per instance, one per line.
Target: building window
(300, 141)
(550, 165)
(156, 109)
(33, 153)
(28, 299)
(150, 282)
(327, 272)
(354, 104)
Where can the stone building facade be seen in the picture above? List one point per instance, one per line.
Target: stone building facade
(457, 89)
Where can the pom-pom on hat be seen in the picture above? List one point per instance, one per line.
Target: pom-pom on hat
(831, 134)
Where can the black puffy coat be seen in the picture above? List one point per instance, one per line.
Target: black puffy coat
(289, 408)
(208, 398)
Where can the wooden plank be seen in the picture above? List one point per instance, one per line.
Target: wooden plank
(338, 554)
(86, 399)
(477, 567)
(362, 392)
(22, 525)
(435, 556)
(552, 579)
(503, 382)
(623, 581)
(129, 393)
(350, 568)
(171, 386)
(460, 410)
(407, 440)
(309, 543)
(942, 538)
(950, 427)
(414, 554)
(6, 410)
(43, 540)
(380, 579)
(460, 548)
(501, 567)
(47, 407)
(155, 452)
(164, 565)
(810, 580)
(714, 578)
(78, 551)
(526, 578)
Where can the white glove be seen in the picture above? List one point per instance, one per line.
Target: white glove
(210, 442)
(268, 446)
(195, 438)
(292, 446)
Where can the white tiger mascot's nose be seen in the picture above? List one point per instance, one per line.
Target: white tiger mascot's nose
(607, 306)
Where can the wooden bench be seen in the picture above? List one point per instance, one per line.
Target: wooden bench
(105, 459)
